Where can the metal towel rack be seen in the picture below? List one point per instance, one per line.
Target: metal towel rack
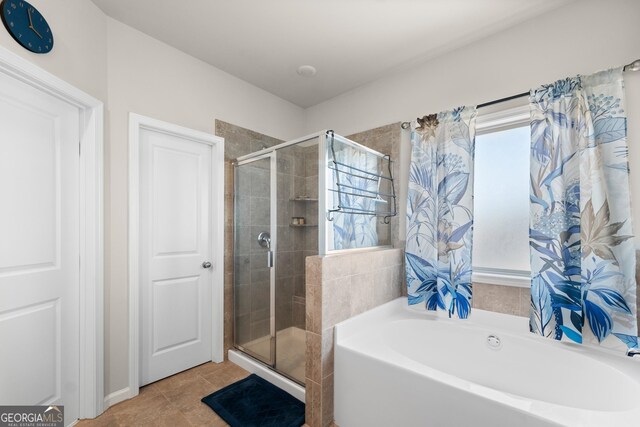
(342, 189)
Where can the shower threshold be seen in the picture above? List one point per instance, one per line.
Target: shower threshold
(266, 372)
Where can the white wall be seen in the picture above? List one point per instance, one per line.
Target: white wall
(583, 37)
(148, 77)
(80, 43)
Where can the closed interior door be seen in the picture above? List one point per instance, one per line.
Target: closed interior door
(175, 254)
(39, 249)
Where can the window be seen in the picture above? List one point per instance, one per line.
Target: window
(501, 199)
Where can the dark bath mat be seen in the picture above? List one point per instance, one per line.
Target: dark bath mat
(254, 402)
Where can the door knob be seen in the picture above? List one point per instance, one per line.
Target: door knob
(206, 264)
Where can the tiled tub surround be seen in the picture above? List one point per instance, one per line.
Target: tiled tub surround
(339, 287)
(502, 299)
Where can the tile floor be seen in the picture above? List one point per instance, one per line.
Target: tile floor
(173, 401)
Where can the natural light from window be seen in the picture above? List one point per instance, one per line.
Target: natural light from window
(501, 201)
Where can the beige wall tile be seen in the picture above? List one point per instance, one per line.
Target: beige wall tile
(240, 141)
(327, 352)
(298, 312)
(501, 299)
(336, 266)
(228, 254)
(336, 300)
(313, 318)
(387, 285)
(327, 401)
(228, 211)
(361, 262)
(313, 270)
(228, 178)
(313, 357)
(392, 257)
(525, 301)
(313, 408)
(362, 293)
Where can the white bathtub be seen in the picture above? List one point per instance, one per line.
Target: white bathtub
(402, 366)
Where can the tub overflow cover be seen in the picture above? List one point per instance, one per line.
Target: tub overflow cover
(493, 341)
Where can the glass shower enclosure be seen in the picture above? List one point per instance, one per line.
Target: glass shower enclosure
(286, 208)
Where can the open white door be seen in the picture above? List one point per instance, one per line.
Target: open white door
(178, 263)
(39, 249)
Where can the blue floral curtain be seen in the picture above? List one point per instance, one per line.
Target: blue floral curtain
(582, 253)
(440, 212)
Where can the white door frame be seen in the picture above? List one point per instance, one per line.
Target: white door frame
(91, 223)
(138, 122)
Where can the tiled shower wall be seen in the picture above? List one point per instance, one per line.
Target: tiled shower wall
(297, 193)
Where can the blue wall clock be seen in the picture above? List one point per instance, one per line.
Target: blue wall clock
(26, 25)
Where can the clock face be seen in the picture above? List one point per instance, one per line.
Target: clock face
(26, 25)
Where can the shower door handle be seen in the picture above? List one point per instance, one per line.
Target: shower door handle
(270, 259)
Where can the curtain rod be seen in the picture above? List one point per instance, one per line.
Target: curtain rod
(634, 66)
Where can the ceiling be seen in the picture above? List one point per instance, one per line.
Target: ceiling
(350, 42)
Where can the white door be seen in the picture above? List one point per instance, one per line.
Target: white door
(39, 249)
(176, 271)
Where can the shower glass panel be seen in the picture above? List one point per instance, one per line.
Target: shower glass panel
(254, 241)
(360, 196)
(297, 190)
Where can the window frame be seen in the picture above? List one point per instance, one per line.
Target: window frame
(496, 119)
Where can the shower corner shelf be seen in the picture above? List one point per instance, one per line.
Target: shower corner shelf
(302, 199)
(303, 225)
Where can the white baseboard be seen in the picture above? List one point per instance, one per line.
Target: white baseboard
(251, 365)
(117, 397)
